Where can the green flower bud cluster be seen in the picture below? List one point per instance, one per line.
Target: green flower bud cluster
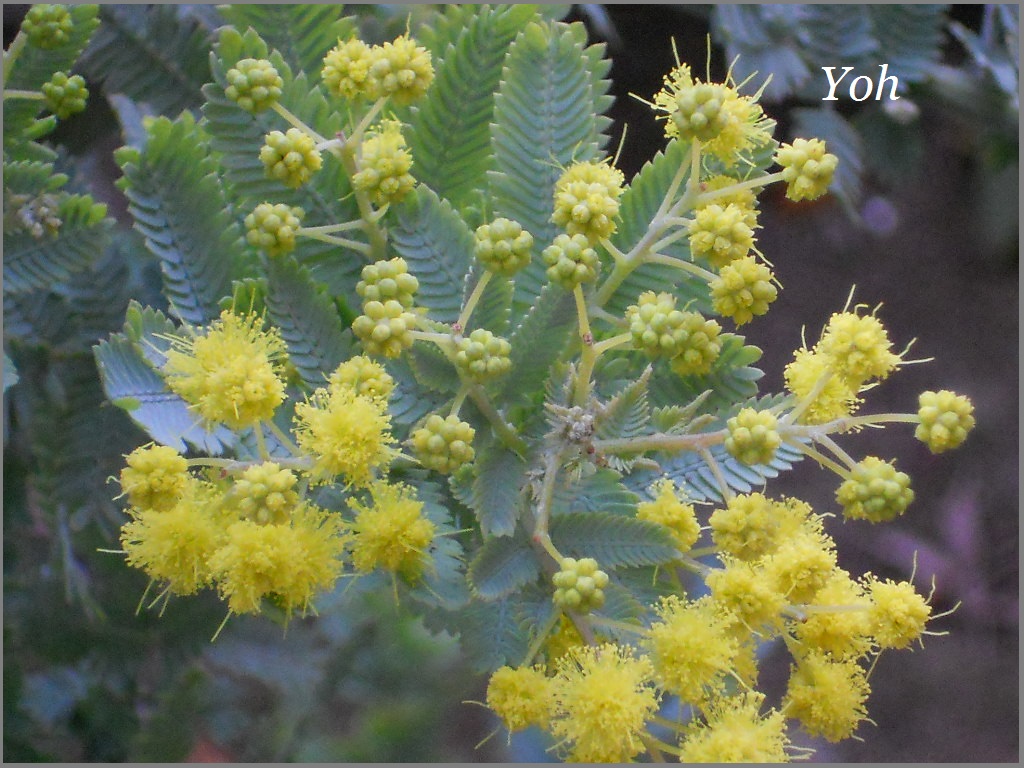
(272, 227)
(292, 158)
(65, 96)
(253, 84)
(586, 199)
(571, 261)
(443, 444)
(364, 376)
(946, 418)
(401, 69)
(482, 355)
(753, 436)
(579, 585)
(384, 164)
(503, 246)
(721, 234)
(743, 290)
(385, 327)
(265, 493)
(697, 345)
(661, 330)
(391, 279)
(875, 491)
(698, 111)
(806, 167)
(47, 26)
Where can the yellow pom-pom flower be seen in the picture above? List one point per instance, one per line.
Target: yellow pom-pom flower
(392, 532)
(875, 491)
(232, 373)
(603, 697)
(346, 71)
(669, 510)
(264, 493)
(946, 418)
(736, 732)
(347, 434)
(898, 614)
(384, 164)
(364, 376)
(292, 158)
(810, 377)
(743, 289)
(521, 697)
(720, 234)
(747, 527)
(807, 168)
(692, 648)
(837, 619)
(753, 436)
(173, 546)
(827, 696)
(288, 563)
(402, 69)
(155, 477)
(746, 592)
(857, 348)
(587, 200)
(801, 565)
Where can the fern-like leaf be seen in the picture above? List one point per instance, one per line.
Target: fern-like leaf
(450, 136)
(32, 263)
(133, 385)
(34, 67)
(537, 343)
(302, 34)
(179, 206)
(497, 491)
(613, 540)
(431, 236)
(503, 565)
(307, 319)
(544, 119)
(152, 54)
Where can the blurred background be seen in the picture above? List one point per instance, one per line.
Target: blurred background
(924, 220)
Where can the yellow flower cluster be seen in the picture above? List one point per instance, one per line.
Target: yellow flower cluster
(854, 352)
(401, 70)
(778, 576)
(230, 374)
(246, 527)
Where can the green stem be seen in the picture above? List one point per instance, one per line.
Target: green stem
(13, 52)
(344, 242)
(716, 470)
(357, 134)
(662, 442)
(818, 456)
(541, 537)
(16, 94)
(261, 442)
(460, 398)
(685, 266)
(474, 299)
(296, 122)
(588, 355)
(542, 635)
(762, 181)
(679, 234)
(331, 228)
(442, 340)
(505, 433)
(615, 341)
